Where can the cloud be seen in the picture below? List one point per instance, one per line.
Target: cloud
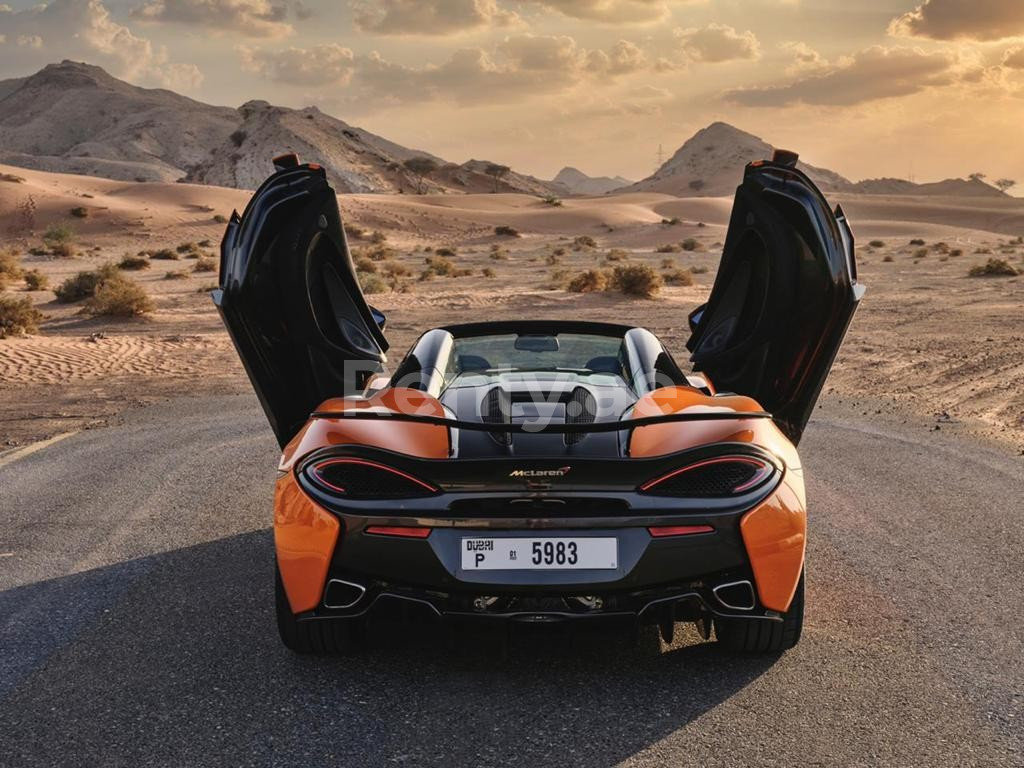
(84, 30)
(612, 11)
(1014, 58)
(874, 73)
(428, 17)
(805, 58)
(962, 19)
(717, 43)
(252, 18)
(327, 64)
(518, 68)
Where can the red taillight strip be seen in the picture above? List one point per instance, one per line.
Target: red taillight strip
(402, 531)
(659, 531)
(758, 476)
(363, 462)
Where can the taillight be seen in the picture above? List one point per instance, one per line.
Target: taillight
(354, 478)
(720, 476)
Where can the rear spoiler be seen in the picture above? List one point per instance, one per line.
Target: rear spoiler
(535, 428)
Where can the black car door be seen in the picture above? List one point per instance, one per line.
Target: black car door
(290, 299)
(784, 295)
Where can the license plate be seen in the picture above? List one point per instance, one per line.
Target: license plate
(541, 554)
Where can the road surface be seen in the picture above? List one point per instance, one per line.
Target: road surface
(136, 626)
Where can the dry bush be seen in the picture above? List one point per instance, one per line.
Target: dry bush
(916, 241)
(80, 212)
(691, 244)
(617, 254)
(11, 178)
(394, 269)
(439, 265)
(551, 260)
(583, 241)
(590, 281)
(205, 244)
(175, 275)
(488, 272)
(553, 201)
(668, 263)
(205, 264)
(85, 284)
(36, 280)
(133, 263)
(558, 279)
(675, 221)
(956, 252)
(187, 248)
(119, 298)
(877, 244)
(352, 232)
(446, 252)
(18, 316)
(920, 253)
(983, 250)
(640, 280)
(59, 238)
(669, 248)
(504, 230)
(498, 253)
(993, 268)
(221, 218)
(378, 237)
(164, 254)
(10, 267)
(678, 277)
(698, 270)
(372, 283)
(887, 258)
(940, 247)
(364, 264)
(559, 251)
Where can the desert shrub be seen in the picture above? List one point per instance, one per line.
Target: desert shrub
(18, 316)
(675, 221)
(917, 241)
(133, 263)
(498, 253)
(364, 264)
(553, 201)
(175, 275)
(59, 238)
(220, 218)
(84, 284)
(205, 264)
(427, 275)
(698, 270)
(119, 298)
(504, 230)
(394, 269)
(591, 281)
(877, 244)
(668, 263)
(354, 232)
(920, 253)
(551, 260)
(439, 265)
(993, 268)
(668, 248)
(165, 254)
(446, 252)
(678, 277)
(377, 237)
(940, 247)
(205, 244)
(956, 252)
(887, 258)
(80, 212)
(639, 280)
(371, 283)
(488, 272)
(559, 251)
(558, 279)
(10, 267)
(36, 280)
(983, 250)
(11, 178)
(690, 244)
(187, 248)
(617, 254)
(583, 241)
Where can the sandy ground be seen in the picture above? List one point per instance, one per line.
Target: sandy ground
(928, 341)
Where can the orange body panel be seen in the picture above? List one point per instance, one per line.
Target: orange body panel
(774, 535)
(304, 536)
(426, 441)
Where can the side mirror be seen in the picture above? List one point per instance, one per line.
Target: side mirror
(696, 316)
(379, 318)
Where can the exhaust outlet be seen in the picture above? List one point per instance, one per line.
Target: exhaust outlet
(736, 595)
(342, 594)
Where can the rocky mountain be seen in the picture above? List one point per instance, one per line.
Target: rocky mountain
(710, 163)
(947, 188)
(75, 118)
(576, 182)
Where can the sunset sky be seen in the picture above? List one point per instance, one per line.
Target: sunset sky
(864, 87)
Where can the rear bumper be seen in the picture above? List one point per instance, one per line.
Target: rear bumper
(678, 575)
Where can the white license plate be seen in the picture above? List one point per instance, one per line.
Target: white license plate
(540, 554)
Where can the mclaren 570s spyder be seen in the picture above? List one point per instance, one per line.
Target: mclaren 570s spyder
(540, 471)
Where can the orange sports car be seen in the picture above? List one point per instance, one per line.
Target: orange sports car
(540, 471)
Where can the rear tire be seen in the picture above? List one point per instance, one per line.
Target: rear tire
(332, 637)
(759, 636)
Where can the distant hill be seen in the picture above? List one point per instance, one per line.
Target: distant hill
(710, 164)
(76, 118)
(576, 182)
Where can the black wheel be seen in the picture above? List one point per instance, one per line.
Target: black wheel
(758, 636)
(332, 637)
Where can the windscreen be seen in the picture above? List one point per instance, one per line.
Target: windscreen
(573, 352)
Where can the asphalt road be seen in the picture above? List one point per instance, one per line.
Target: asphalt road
(136, 626)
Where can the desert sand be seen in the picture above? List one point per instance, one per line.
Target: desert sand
(929, 342)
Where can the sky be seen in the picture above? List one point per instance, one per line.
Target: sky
(923, 90)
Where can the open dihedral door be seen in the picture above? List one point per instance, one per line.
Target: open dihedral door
(290, 299)
(785, 293)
